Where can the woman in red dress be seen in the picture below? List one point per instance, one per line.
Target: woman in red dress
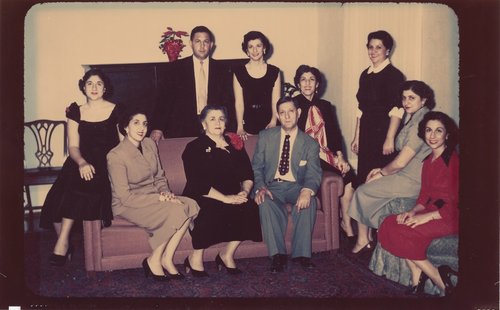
(409, 234)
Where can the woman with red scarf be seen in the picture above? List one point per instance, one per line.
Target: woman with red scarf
(318, 119)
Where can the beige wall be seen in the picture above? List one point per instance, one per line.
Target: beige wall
(62, 38)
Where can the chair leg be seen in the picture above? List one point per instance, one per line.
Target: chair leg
(30, 207)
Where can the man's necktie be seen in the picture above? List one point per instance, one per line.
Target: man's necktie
(202, 88)
(285, 156)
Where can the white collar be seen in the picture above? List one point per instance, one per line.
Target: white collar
(292, 134)
(381, 67)
(196, 61)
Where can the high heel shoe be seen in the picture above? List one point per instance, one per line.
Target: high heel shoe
(60, 260)
(420, 287)
(219, 263)
(196, 273)
(147, 272)
(446, 272)
(367, 248)
(177, 276)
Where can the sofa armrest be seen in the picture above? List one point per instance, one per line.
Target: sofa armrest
(332, 187)
(92, 245)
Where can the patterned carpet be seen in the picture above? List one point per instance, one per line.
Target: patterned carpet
(337, 278)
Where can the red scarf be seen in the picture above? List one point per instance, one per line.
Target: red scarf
(315, 127)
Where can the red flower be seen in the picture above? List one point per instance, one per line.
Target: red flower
(171, 43)
(235, 140)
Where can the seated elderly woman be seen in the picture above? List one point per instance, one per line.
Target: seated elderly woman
(401, 177)
(435, 215)
(141, 195)
(319, 120)
(219, 177)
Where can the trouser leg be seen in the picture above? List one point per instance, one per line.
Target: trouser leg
(273, 219)
(303, 224)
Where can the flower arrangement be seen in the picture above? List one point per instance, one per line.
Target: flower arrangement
(235, 140)
(171, 43)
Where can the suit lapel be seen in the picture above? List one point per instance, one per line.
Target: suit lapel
(137, 158)
(274, 151)
(298, 146)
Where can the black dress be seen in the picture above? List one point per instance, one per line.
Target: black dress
(332, 129)
(207, 166)
(71, 196)
(257, 96)
(378, 93)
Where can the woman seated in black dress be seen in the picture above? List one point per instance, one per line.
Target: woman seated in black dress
(142, 196)
(318, 120)
(82, 190)
(219, 177)
(257, 87)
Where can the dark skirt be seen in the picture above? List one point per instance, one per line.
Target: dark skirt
(219, 222)
(74, 198)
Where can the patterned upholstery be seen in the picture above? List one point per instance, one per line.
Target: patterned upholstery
(442, 251)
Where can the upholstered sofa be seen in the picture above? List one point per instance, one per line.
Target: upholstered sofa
(441, 251)
(124, 245)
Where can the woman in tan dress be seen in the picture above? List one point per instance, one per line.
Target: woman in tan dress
(141, 195)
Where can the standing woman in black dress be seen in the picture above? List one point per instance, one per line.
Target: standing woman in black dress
(82, 190)
(318, 119)
(219, 177)
(257, 87)
(379, 110)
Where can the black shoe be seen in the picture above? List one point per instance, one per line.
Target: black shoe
(219, 263)
(194, 272)
(148, 272)
(419, 288)
(304, 262)
(60, 260)
(446, 272)
(177, 276)
(278, 263)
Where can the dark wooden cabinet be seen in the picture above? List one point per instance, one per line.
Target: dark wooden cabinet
(144, 84)
(135, 84)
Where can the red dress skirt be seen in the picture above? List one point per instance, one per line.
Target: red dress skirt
(439, 192)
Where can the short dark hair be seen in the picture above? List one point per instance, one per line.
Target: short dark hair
(287, 99)
(305, 68)
(107, 83)
(383, 36)
(127, 116)
(421, 89)
(448, 123)
(254, 35)
(201, 29)
(213, 107)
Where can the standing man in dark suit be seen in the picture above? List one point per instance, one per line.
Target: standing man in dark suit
(287, 169)
(191, 84)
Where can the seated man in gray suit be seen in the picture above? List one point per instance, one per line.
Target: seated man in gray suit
(287, 170)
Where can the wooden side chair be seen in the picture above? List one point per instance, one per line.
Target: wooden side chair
(45, 173)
